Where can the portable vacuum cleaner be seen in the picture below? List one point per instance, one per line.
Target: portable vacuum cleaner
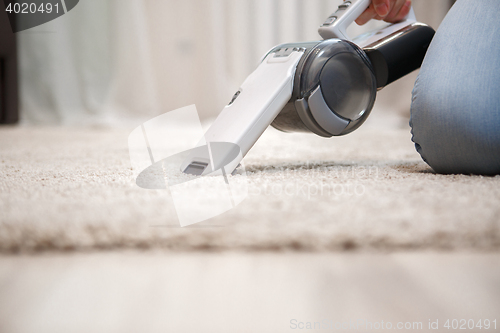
(325, 87)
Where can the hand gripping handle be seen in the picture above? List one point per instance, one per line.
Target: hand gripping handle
(336, 24)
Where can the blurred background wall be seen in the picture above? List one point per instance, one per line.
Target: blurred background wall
(114, 62)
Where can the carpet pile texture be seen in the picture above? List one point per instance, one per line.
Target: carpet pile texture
(65, 189)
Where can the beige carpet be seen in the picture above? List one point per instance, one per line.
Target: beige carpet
(72, 189)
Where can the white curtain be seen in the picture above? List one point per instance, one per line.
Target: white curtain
(110, 62)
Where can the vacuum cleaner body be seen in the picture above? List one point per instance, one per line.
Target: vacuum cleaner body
(336, 81)
(325, 87)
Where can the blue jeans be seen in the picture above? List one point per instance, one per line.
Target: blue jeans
(455, 113)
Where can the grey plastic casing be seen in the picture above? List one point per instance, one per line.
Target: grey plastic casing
(334, 89)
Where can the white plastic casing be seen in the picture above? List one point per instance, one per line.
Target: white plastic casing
(259, 100)
(336, 25)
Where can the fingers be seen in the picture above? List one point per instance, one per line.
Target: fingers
(396, 16)
(381, 7)
(387, 10)
(400, 9)
(367, 15)
(378, 9)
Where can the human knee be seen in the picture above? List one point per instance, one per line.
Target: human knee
(454, 136)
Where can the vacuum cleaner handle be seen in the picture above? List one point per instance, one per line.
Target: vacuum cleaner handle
(336, 24)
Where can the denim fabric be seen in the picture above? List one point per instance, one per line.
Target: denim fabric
(455, 115)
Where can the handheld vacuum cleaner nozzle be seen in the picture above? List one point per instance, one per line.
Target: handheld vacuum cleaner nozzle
(325, 87)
